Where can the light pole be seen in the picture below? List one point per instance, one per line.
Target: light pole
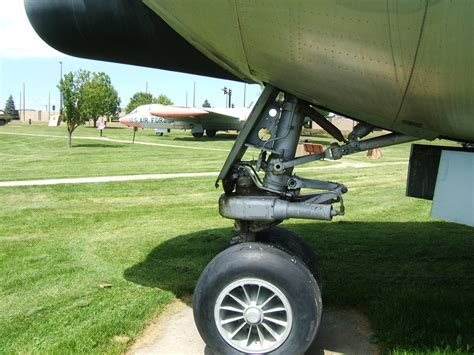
(60, 91)
(225, 94)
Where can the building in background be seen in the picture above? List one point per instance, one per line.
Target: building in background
(36, 115)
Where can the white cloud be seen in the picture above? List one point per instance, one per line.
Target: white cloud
(18, 38)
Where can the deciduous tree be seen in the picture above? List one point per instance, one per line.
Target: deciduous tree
(138, 99)
(206, 103)
(99, 97)
(71, 87)
(162, 100)
(144, 98)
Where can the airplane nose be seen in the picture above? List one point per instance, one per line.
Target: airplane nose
(124, 120)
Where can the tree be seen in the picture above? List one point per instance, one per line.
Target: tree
(144, 98)
(86, 95)
(162, 100)
(10, 107)
(206, 103)
(138, 99)
(99, 97)
(72, 90)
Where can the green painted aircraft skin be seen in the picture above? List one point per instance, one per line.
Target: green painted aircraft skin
(404, 65)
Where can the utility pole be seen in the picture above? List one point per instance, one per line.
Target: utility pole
(24, 105)
(60, 92)
(230, 97)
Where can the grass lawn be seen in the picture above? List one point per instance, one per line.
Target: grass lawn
(26, 157)
(412, 276)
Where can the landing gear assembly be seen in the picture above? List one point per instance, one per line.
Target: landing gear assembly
(263, 293)
(211, 133)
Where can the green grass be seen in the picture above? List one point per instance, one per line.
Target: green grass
(412, 276)
(30, 157)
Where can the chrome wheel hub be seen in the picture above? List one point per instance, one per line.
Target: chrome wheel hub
(253, 316)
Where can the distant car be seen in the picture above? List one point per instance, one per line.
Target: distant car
(4, 118)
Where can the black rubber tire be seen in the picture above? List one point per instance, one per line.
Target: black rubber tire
(211, 133)
(273, 265)
(198, 135)
(295, 246)
(3, 122)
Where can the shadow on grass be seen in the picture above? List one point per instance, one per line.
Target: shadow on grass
(219, 137)
(98, 145)
(175, 264)
(106, 128)
(414, 281)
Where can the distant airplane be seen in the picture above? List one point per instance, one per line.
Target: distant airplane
(198, 120)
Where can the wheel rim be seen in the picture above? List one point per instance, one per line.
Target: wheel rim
(253, 315)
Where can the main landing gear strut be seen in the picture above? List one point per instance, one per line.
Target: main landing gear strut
(263, 293)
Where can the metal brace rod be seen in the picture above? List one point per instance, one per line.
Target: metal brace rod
(297, 182)
(338, 151)
(319, 119)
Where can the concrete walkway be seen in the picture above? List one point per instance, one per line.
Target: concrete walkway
(174, 332)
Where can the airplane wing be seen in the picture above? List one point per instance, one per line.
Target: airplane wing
(209, 118)
(174, 112)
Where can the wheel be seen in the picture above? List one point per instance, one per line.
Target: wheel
(254, 298)
(295, 246)
(198, 134)
(211, 133)
(2, 122)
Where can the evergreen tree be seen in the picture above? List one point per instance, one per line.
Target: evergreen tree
(206, 103)
(10, 107)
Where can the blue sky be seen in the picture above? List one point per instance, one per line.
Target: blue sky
(25, 58)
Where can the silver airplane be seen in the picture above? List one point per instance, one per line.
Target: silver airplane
(198, 120)
(401, 65)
